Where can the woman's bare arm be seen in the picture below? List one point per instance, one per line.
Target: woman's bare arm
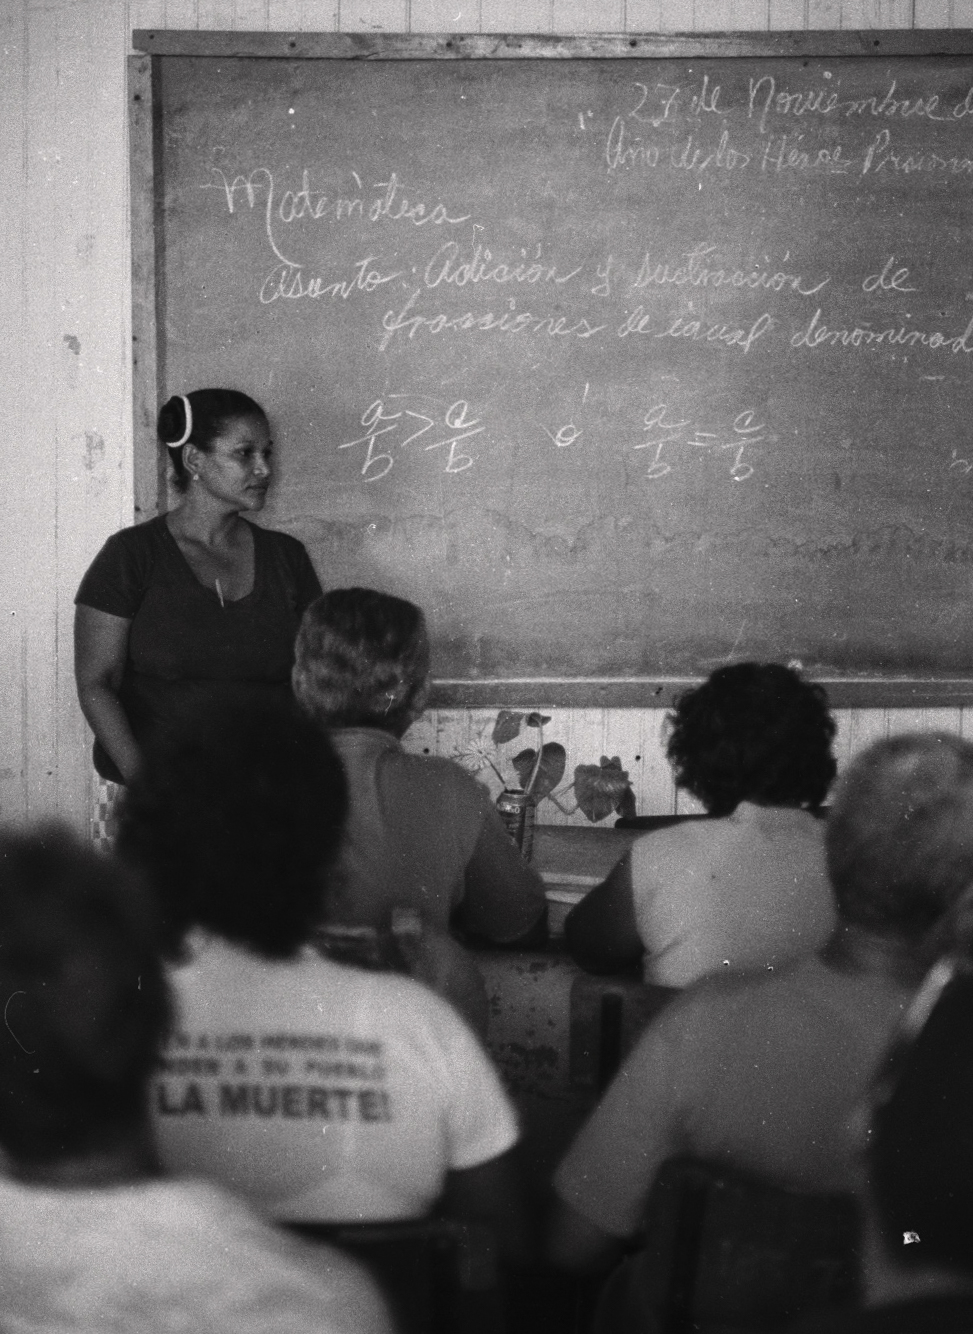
(100, 652)
(601, 931)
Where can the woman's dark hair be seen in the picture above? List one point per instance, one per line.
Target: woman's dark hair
(753, 732)
(362, 660)
(85, 1002)
(210, 411)
(235, 820)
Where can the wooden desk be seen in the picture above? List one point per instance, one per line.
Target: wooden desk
(529, 991)
(571, 860)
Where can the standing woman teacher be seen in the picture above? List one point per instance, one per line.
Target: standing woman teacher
(197, 605)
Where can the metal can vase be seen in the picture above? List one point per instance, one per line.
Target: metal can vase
(517, 813)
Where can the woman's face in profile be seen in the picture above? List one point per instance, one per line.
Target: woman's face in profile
(237, 467)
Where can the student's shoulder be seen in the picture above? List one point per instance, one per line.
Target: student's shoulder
(445, 776)
(727, 1002)
(677, 841)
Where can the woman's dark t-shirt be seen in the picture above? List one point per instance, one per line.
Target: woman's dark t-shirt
(186, 649)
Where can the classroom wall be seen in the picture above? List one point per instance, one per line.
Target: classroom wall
(65, 337)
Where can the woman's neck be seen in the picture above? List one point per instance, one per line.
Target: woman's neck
(210, 524)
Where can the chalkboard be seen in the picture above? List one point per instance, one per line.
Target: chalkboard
(622, 368)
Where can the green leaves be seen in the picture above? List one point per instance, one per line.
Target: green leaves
(507, 727)
(599, 789)
(603, 788)
(550, 770)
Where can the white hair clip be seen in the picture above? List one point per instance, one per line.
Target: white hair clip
(175, 444)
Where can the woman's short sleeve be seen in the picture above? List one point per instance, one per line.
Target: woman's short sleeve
(115, 580)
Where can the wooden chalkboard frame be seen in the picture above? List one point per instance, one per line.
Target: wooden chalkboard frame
(148, 299)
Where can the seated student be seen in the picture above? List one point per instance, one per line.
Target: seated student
(92, 1236)
(422, 833)
(747, 888)
(760, 1071)
(322, 1092)
(918, 1163)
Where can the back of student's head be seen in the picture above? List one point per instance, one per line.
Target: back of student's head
(85, 1002)
(919, 1153)
(899, 835)
(362, 660)
(753, 731)
(236, 820)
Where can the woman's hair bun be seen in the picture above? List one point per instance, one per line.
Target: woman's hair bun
(175, 421)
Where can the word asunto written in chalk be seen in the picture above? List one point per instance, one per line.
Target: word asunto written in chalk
(299, 1102)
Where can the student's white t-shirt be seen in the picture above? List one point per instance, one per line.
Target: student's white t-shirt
(154, 1257)
(322, 1092)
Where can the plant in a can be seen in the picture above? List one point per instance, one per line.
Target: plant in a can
(599, 789)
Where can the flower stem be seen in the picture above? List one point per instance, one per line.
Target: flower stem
(537, 763)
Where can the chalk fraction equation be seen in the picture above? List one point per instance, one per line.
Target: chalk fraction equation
(674, 439)
(399, 428)
(393, 429)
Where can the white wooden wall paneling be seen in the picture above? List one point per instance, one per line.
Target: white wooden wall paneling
(14, 438)
(44, 184)
(636, 736)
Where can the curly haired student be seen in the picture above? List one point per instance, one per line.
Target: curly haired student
(747, 887)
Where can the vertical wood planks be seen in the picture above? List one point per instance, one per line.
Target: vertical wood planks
(580, 16)
(46, 200)
(659, 15)
(823, 14)
(445, 16)
(160, 13)
(516, 15)
(787, 15)
(14, 439)
(373, 16)
(587, 734)
(933, 13)
(876, 14)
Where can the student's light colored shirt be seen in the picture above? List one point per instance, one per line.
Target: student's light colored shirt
(423, 834)
(748, 890)
(322, 1092)
(755, 1071)
(157, 1257)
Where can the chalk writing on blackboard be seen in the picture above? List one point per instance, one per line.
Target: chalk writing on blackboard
(600, 361)
(459, 426)
(664, 434)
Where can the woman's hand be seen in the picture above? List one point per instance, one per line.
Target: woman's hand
(100, 654)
